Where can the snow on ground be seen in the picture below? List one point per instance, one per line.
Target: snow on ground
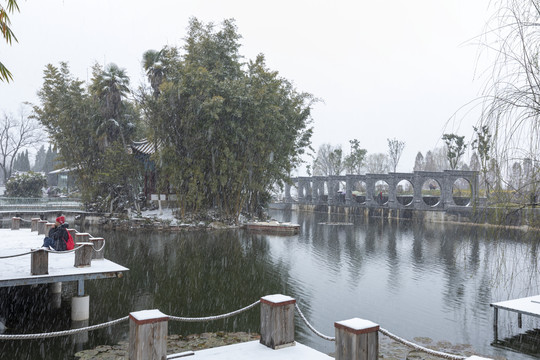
(163, 214)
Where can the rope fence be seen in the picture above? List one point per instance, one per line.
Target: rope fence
(319, 334)
(420, 348)
(215, 317)
(386, 333)
(52, 250)
(62, 333)
(223, 316)
(114, 322)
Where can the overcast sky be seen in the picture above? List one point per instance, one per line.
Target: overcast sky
(384, 69)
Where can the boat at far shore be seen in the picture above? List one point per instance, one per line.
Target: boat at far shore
(274, 227)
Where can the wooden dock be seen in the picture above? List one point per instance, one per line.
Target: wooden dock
(16, 266)
(523, 306)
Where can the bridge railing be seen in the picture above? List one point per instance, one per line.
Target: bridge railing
(45, 203)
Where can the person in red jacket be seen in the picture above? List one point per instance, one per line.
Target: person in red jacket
(58, 235)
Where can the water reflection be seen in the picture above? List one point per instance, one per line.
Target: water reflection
(433, 281)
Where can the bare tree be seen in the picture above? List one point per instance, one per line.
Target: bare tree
(329, 160)
(16, 134)
(377, 163)
(436, 160)
(395, 149)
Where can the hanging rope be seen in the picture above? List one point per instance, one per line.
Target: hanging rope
(61, 333)
(325, 337)
(420, 348)
(15, 255)
(215, 317)
(101, 248)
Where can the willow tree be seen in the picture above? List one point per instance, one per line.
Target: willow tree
(229, 129)
(511, 107)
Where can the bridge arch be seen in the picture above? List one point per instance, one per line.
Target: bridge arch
(361, 190)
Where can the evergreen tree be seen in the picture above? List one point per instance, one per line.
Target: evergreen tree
(419, 163)
(40, 159)
(50, 160)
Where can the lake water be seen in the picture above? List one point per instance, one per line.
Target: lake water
(432, 280)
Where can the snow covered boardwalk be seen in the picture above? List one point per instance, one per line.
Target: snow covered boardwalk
(528, 306)
(15, 271)
(60, 267)
(256, 350)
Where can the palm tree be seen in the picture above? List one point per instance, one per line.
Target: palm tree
(110, 86)
(7, 33)
(155, 70)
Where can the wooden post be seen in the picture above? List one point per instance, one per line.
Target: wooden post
(72, 232)
(357, 339)
(98, 244)
(277, 321)
(39, 262)
(148, 335)
(15, 223)
(41, 227)
(34, 224)
(83, 256)
(495, 324)
(81, 237)
(48, 227)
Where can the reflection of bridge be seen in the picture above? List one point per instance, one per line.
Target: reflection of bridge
(421, 190)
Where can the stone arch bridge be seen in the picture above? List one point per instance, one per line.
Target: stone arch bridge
(420, 190)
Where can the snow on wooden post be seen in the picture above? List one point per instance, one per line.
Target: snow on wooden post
(48, 227)
(277, 321)
(39, 262)
(15, 223)
(83, 255)
(148, 335)
(357, 339)
(81, 237)
(98, 244)
(41, 227)
(34, 224)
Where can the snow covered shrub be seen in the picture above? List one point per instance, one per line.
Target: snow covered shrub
(25, 185)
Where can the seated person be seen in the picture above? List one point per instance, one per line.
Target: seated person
(58, 235)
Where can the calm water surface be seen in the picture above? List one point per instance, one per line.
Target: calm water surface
(434, 280)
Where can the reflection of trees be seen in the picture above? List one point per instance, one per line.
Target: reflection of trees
(392, 260)
(192, 274)
(417, 248)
